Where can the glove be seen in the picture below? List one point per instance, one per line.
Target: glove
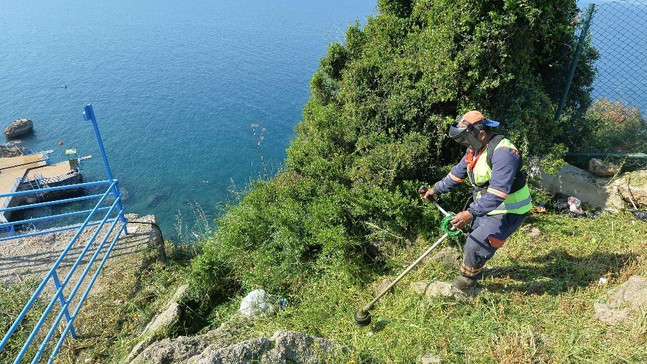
(461, 219)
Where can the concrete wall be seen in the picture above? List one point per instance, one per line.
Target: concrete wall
(572, 181)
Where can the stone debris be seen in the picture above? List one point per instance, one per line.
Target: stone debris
(382, 284)
(623, 302)
(532, 230)
(436, 289)
(430, 359)
(282, 347)
(11, 151)
(603, 169)
(448, 257)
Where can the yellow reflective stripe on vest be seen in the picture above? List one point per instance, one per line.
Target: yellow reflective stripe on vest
(519, 202)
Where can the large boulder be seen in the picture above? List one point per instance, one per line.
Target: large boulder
(603, 169)
(633, 188)
(19, 127)
(282, 347)
(217, 347)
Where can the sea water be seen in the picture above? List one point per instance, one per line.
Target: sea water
(176, 87)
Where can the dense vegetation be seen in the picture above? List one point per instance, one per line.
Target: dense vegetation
(374, 130)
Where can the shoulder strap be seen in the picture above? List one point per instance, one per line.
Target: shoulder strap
(520, 177)
(491, 146)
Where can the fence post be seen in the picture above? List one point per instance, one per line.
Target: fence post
(576, 58)
(88, 115)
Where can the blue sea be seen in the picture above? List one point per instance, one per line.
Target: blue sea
(175, 86)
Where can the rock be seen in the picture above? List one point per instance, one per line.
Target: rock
(449, 257)
(622, 303)
(168, 350)
(381, 286)
(19, 127)
(282, 347)
(533, 231)
(182, 348)
(633, 188)
(435, 289)
(573, 181)
(249, 351)
(161, 323)
(10, 151)
(155, 200)
(296, 347)
(602, 169)
(430, 359)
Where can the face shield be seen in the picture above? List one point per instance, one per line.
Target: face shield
(464, 134)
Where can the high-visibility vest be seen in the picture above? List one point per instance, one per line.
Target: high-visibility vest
(517, 202)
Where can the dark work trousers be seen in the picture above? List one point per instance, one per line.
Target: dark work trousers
(489, 233)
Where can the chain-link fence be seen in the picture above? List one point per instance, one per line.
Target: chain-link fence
(619, 32)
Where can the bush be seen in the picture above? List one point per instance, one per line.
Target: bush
(615, 128)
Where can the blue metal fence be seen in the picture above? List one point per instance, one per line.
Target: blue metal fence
(108, 218)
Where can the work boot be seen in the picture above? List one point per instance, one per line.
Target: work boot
(465, 283)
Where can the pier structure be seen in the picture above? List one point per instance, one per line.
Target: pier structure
(30, 171)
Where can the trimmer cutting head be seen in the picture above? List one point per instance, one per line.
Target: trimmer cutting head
(362, 318)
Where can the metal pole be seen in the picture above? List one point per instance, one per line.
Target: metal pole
(61, 298)
(88, 114)
(576, 58)
(385, 290)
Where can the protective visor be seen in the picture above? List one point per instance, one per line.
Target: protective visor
(464, 136)
(459, 134)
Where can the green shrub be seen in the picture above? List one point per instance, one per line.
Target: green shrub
(614, 127)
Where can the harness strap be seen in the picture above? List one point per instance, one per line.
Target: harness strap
(520, 177)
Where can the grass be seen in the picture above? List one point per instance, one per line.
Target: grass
(539, 311)
(112, 318)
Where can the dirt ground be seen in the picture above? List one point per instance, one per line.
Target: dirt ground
(32, 258)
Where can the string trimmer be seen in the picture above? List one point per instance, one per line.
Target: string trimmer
(363, 316)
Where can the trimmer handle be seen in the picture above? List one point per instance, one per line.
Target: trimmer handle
(422, 190)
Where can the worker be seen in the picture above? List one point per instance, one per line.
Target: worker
(501, 195)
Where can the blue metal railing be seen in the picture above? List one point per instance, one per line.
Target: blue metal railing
(108, 217)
